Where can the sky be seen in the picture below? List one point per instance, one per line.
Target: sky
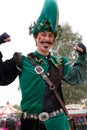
(15, 18)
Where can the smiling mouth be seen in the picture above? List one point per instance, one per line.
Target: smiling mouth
(46, 47)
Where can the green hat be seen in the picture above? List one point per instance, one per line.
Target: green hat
(48, 19)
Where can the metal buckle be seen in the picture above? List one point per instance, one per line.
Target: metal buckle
(43, 116)
(52, 87)
(25, 115)
(39, 69)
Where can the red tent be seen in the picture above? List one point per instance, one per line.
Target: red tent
(7, 110)
(76, 110)
(78, 113)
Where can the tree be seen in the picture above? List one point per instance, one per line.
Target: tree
(64, 43)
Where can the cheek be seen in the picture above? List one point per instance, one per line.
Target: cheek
(39, 39)
(52, 40)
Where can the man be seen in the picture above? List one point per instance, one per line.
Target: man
(41, 109)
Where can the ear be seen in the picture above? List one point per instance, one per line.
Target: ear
(35, 40)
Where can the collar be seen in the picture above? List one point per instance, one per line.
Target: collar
(42, 56)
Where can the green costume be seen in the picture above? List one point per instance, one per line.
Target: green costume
(36, 93)
(36, 96)
(33, 96)
(28, 72)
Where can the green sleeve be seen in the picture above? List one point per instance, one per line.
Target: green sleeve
(77, 73)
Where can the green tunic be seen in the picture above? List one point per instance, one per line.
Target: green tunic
(33, 85)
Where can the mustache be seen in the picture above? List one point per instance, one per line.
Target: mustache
(42, 42)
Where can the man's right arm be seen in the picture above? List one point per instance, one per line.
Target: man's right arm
(8, 68)
(8, 71)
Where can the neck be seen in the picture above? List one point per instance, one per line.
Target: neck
(45, 53)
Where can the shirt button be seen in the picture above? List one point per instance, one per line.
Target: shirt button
(48, 73)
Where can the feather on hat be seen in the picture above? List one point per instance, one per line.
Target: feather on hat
(48, 19)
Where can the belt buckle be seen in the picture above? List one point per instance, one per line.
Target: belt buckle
(43, 116)
(39, 69)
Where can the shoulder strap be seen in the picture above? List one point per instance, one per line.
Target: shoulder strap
(18, 60)
(34, 59)
(31, 57)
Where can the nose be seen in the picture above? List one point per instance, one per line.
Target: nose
(47, 38)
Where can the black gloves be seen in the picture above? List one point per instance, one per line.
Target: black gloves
(3, 37)
(81, 45)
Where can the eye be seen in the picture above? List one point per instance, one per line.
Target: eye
(43, 34)
(51, 35)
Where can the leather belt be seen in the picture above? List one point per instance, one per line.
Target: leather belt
(42, 116)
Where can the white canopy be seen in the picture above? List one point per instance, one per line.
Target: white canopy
(8, 109)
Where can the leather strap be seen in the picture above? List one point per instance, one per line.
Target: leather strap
(52, 87)
(39, 70)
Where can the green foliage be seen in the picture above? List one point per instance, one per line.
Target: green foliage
(65, 41)
(74, 93)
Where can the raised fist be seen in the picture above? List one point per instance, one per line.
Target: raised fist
(4, 38)
(80, 48)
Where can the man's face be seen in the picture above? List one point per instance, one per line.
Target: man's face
(45, 40)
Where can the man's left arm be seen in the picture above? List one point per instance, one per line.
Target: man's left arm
(78, 72)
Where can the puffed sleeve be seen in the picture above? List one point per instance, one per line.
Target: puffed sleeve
(77, 73)
(8, 71)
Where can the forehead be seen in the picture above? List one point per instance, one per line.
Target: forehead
(47, 33)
